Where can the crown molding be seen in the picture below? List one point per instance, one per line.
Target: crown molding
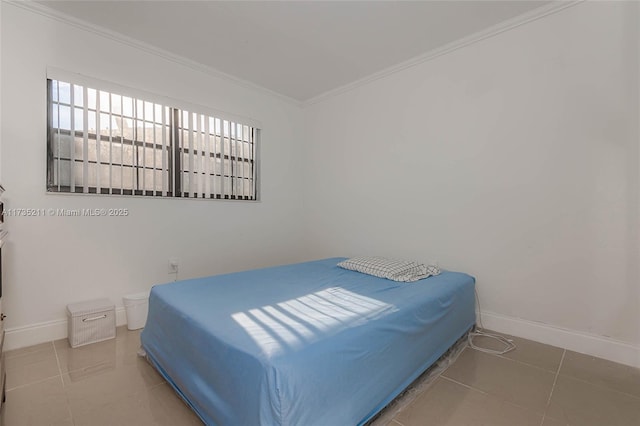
(538, 13)
(525, 18)
(48, 12)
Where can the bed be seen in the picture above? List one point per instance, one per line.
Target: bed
(303, 344)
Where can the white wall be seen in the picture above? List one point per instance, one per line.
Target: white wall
(514, 159)
(52, 261)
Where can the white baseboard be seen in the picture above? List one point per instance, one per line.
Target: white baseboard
(602, 347)
(28, 335)
(577, 341)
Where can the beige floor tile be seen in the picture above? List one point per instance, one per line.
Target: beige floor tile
(108, 384)
(385, 417)
(96, 356)
(89, 389)
(42, 349)
(65, 422)
(157, 405)
(451, 404)
(43, 403)
(99, 356)
(548, 421)
(383, 422)
(164, 399)
(602, 372)
(128, 341)
(129, 409)
(527, 351)
(581, 403)
(30, 368)
(29, 365)
(521, 384)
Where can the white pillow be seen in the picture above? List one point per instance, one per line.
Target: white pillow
(392, 269)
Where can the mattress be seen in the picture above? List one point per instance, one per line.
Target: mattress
(303, 344)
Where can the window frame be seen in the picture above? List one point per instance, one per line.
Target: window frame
(176, 146)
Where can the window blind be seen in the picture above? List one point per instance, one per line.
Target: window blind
(103, 142)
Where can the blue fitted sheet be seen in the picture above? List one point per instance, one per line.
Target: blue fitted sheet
(304, 344)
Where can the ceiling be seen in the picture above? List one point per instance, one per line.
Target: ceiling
(298, 49)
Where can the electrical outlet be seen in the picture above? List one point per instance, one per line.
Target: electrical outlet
(174, 262)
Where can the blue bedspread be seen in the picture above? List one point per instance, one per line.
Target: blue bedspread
(304, 344)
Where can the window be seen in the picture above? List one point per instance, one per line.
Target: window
(100, 142)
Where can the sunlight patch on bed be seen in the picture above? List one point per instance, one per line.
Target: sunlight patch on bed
(297, 322)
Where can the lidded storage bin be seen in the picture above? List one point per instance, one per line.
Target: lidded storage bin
(91, 321)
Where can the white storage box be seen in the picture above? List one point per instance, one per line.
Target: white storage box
(91, 321)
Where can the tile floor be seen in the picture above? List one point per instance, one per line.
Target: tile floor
(108, 384)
